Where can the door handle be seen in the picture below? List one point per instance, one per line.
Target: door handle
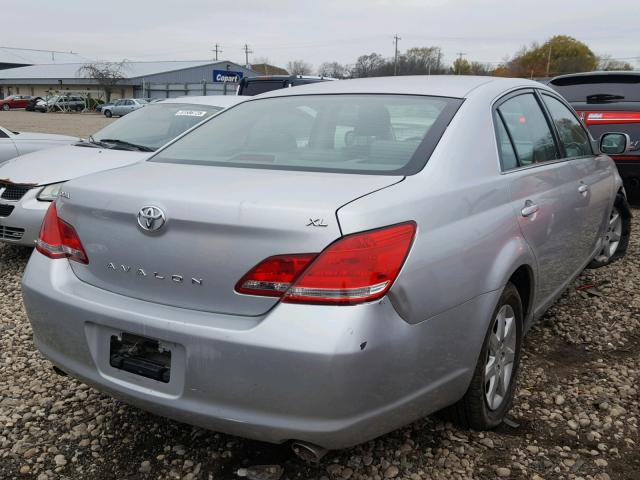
(529, 208)
(583, 189)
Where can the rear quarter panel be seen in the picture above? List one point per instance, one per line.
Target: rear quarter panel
(468, 241)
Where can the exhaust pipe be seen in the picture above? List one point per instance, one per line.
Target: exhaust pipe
(308, 451)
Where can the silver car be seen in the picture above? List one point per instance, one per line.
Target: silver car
(327, 263)
(124, 106)
(28, 184)
(13, 143)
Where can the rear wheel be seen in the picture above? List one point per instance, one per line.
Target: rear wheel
(6, 107)
(490, 393)
(616, 237)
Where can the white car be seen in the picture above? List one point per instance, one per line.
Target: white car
(13, 143)
(28, 184)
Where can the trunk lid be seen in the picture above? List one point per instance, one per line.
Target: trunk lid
(220, 222)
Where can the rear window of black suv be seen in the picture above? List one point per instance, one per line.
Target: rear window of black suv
(368, 134)
(602, 88)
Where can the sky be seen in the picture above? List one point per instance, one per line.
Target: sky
(487, 31)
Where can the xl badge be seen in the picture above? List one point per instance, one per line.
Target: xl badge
(151, 218)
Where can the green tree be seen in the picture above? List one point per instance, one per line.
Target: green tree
(461, 66)
(558, 55)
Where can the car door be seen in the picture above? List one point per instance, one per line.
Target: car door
(116, 109)
(543, 188)
(8, 149)
(593, 172)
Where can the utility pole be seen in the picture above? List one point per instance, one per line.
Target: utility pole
(460, 58)
(217, 50)
(396, 37)
(247, 51)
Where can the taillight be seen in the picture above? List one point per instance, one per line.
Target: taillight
(273, 276)
(354, 269)
(58, 239)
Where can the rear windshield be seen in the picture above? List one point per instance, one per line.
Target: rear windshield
(256, 87)
(156, 124)
(599, 88)
(374, 134)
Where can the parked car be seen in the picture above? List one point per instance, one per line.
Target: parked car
(30, 183)
(266, 83)
(13, 143)
(328, 263)
(100, 106)
(31, 106)
(14, 101)
(123, 106)
(61, 103)
(609, 101)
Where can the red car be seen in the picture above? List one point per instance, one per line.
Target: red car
(14, 101)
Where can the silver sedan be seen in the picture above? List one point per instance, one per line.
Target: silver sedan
(327, 263)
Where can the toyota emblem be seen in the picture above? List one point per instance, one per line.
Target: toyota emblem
(151, 218)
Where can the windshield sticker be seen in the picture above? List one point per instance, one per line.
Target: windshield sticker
(190, 113)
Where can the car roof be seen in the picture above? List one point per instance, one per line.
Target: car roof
(224, 101)
(456, 86)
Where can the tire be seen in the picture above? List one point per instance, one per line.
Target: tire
(475, 410)
(616, 238)
(6, 107)
(79, 108)
(108, 114)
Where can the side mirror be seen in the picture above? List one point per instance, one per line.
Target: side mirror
(615, 143)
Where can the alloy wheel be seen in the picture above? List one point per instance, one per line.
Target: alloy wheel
(500, 360)
(612, 237)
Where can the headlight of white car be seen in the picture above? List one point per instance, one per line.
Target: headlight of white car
(50, 192)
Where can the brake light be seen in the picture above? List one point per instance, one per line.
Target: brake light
(354, 269)
(58, 239)
(273, 276)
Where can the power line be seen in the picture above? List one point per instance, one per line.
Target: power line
(217, 50)
(396, 37)
(460, 57)
(247, 51)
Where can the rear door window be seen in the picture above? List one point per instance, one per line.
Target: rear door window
(505, 147)
(572, 134)
(528, 129)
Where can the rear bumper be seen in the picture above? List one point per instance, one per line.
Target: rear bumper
(332, 376)
(22, 226)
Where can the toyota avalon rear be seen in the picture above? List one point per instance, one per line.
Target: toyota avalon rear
(330, 264)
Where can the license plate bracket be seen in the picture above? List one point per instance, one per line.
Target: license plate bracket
(141, 356)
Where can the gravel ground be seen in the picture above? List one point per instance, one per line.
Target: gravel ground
(576, 413)
(78, 124)
(575, 416)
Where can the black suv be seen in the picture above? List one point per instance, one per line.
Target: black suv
(609, 102)
(256, 85)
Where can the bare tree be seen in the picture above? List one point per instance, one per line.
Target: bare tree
(299, 67)
(107, 74)
(368, 65)
(333, 70)
(605, 62)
